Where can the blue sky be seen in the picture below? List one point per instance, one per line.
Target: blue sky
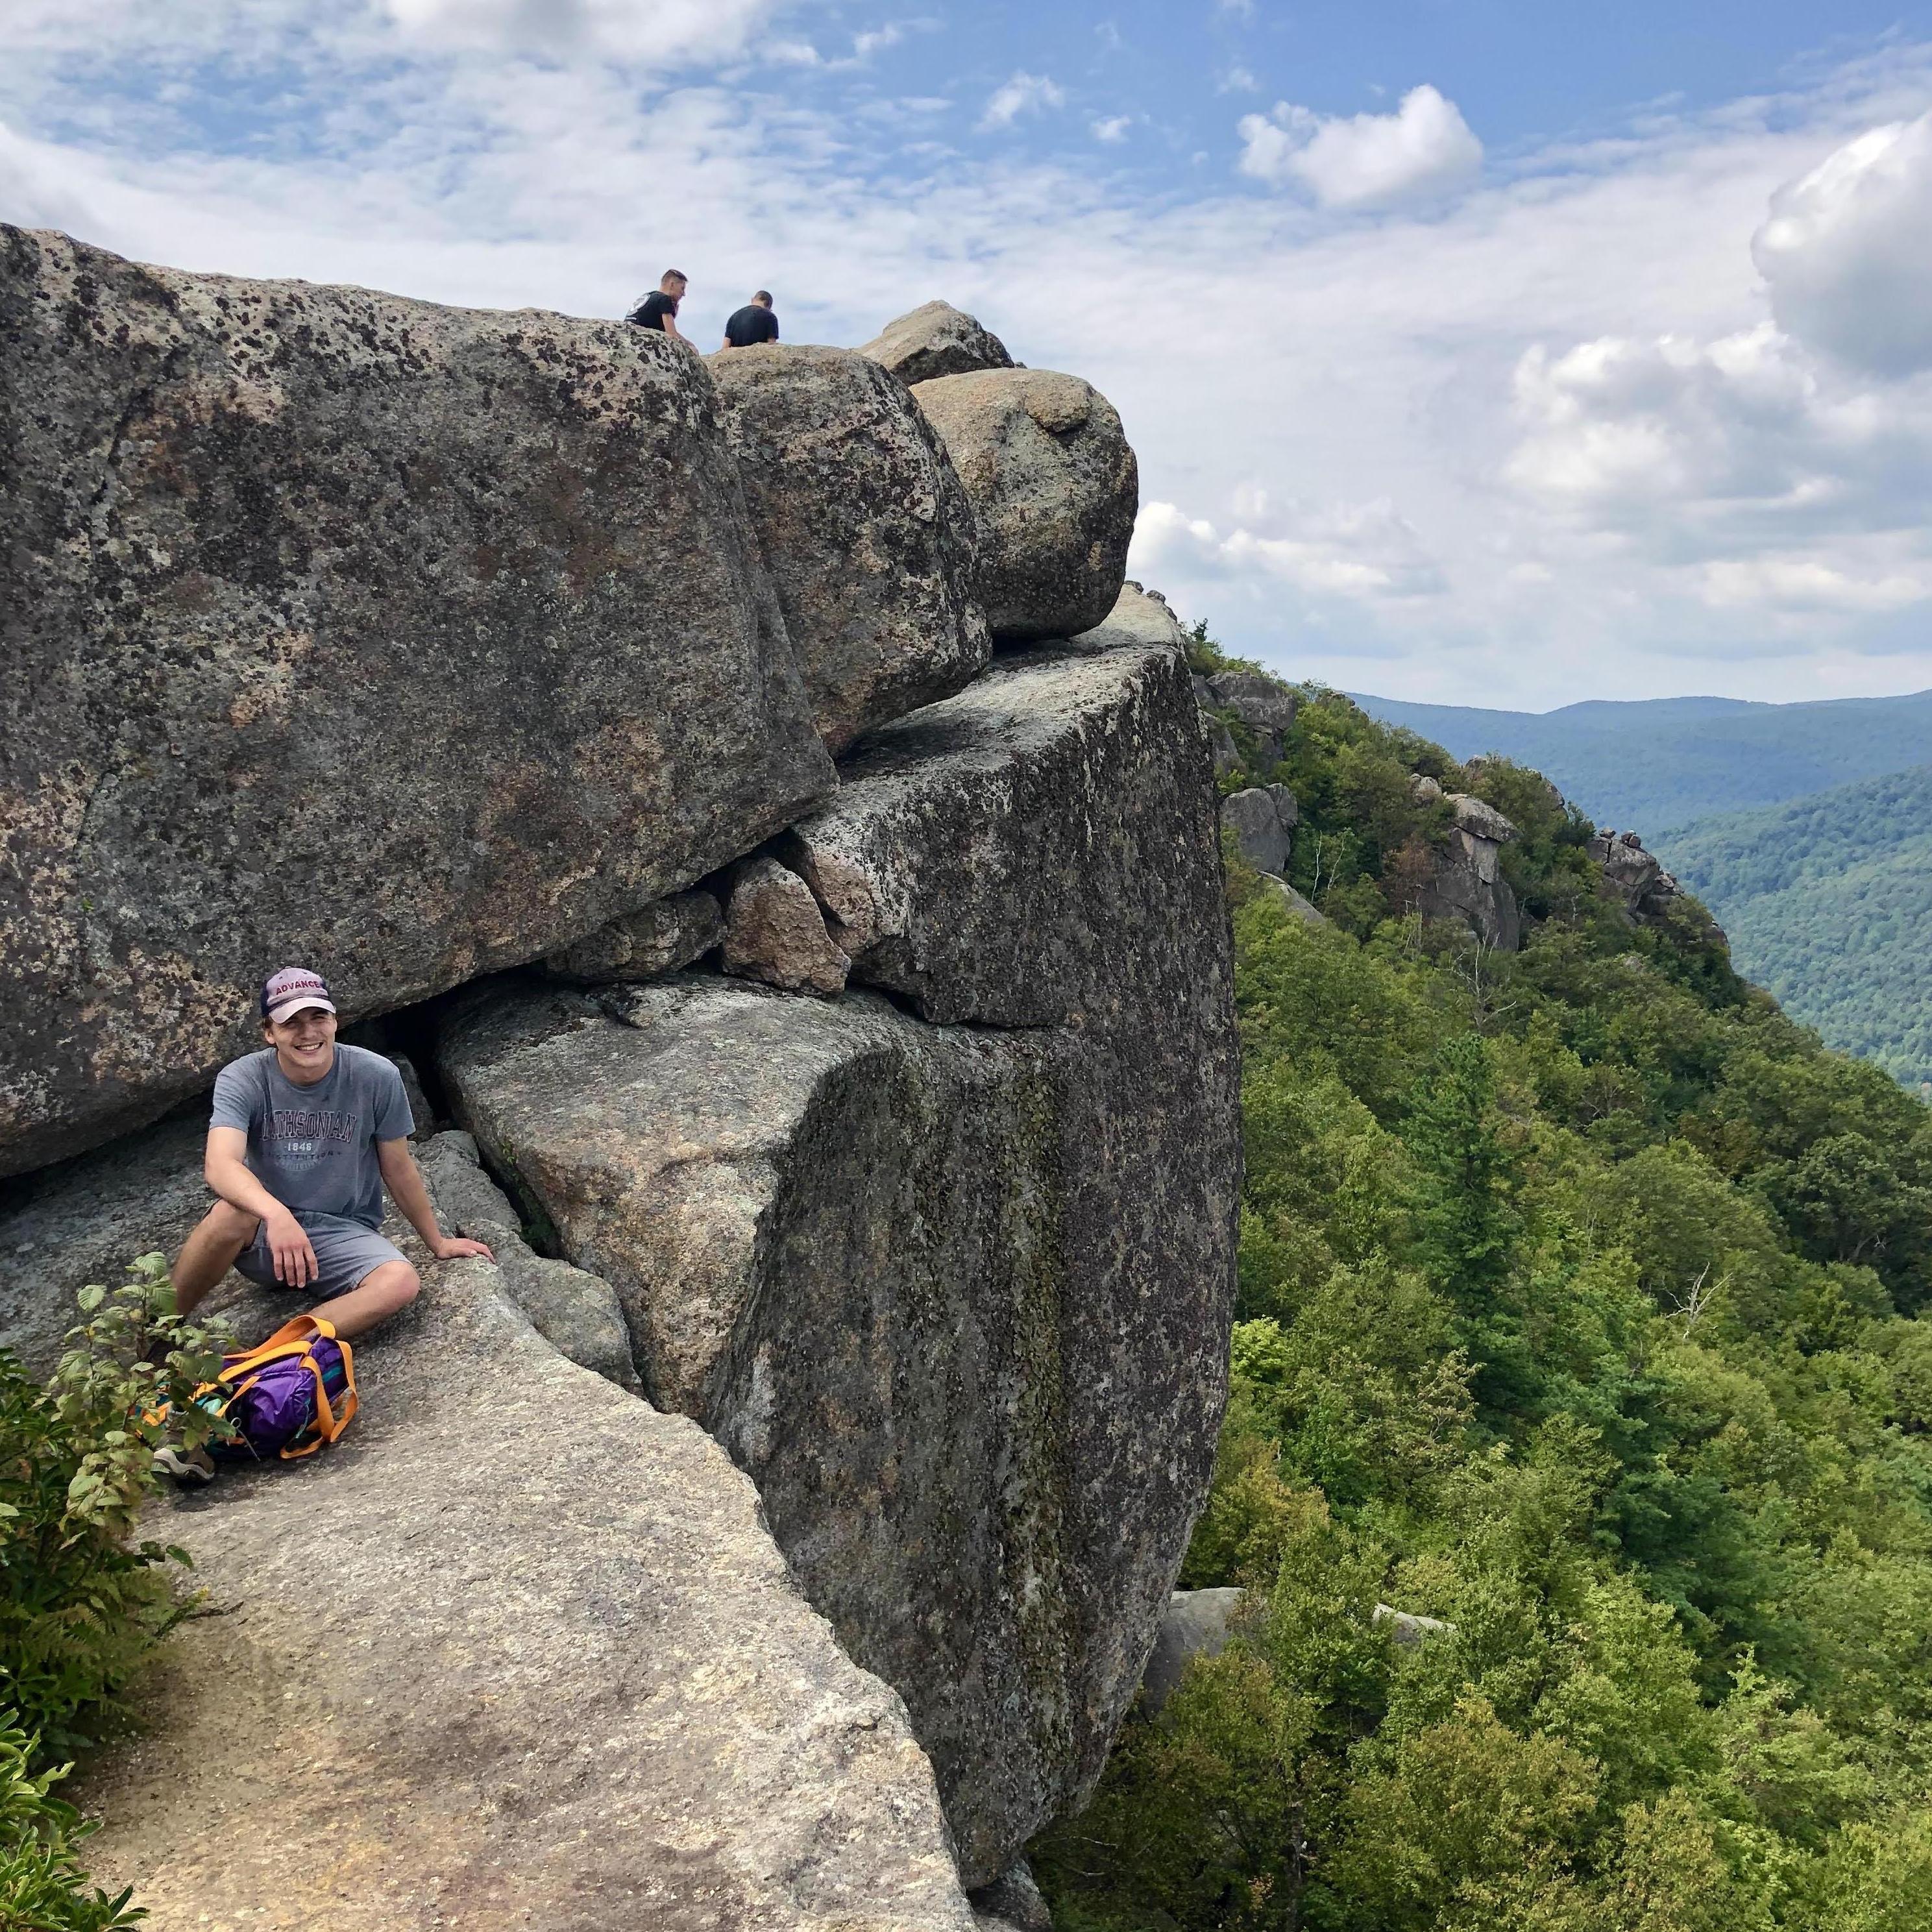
(1482, 353)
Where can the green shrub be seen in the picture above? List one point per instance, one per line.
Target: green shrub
(42, 1889)
(80, 1605)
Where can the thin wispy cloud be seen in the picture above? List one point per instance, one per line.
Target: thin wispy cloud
(1024, 93)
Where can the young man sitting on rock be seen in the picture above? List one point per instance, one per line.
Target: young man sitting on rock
(305, 1135)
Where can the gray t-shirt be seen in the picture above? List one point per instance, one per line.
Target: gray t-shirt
(313, 1148)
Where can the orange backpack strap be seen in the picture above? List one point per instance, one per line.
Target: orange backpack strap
(296, 1337)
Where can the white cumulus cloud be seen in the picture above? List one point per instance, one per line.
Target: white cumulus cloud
(1363, 160)
(1112, 128)
(1025, 93)
(1335, 549)
(1847, 251)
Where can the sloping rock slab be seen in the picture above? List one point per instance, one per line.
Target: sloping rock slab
(519, 1652)
(401, 641)
(1139, 616)
(866, 531)
(1047, 465)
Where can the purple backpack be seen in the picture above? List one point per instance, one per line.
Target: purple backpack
(288, 1396)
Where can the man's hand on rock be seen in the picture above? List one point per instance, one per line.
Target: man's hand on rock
(295, 1265)
(453, 1247)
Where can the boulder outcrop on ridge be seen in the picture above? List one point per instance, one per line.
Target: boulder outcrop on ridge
(867, 533)
(1263, 819)
(955, 1296)
(519, 1651)
(1466, 882)
(936, 339)
(1048, 469)
(405, 641)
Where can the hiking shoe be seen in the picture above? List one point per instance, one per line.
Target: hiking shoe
(185, 1466)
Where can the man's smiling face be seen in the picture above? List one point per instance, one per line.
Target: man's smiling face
(305, 1042)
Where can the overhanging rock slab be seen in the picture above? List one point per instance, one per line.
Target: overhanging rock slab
(401, 641)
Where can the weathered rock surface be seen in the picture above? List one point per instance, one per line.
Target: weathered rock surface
(1048, 467)
(1407, 1628)
(85, 1220)
(956, 1297)
(548, 1669)
(243, 518)
(865, 528)
(1466, 882)
(655, 939)
(1480, 820)
(1635, 877)
(1303, 909)
(1012, 1903)
(1262, 818)
(1263, 704)
(1139, 616)
(1040, 848)
(575, 1313)
(1195, 1624)
(774, 931)
(936, 339)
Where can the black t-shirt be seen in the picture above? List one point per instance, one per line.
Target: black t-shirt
(752, 323)
(650, 312)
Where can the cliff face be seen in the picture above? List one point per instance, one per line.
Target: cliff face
(416, 645)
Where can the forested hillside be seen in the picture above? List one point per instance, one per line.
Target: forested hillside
(1655, 765)
(1580, 1308)
(1828, 902)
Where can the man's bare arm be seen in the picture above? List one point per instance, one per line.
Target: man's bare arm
(225, 1167)
(404, 1180)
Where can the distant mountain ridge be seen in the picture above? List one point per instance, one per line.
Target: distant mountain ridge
(1807, 829)
(1827, 901)
(1655, 765)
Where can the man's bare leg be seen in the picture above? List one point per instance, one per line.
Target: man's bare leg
(209, 1253)
(374, 1298)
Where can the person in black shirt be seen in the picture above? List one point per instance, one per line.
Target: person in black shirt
(659, 309)
(753, 322)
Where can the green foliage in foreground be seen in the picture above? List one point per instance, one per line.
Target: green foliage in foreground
(81, 1606)
(1579, 1308)
(1829, 903)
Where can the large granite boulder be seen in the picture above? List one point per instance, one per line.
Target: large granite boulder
(1262, 819)
(956, 1296)
(404, 642)
(936, 339)
(1048, 466)
(1465, 881)
(868, 536)
(519, 1651)
(1195, 1624)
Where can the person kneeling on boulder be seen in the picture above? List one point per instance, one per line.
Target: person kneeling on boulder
(305, 1136)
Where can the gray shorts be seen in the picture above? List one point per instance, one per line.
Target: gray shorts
(345, 1253)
